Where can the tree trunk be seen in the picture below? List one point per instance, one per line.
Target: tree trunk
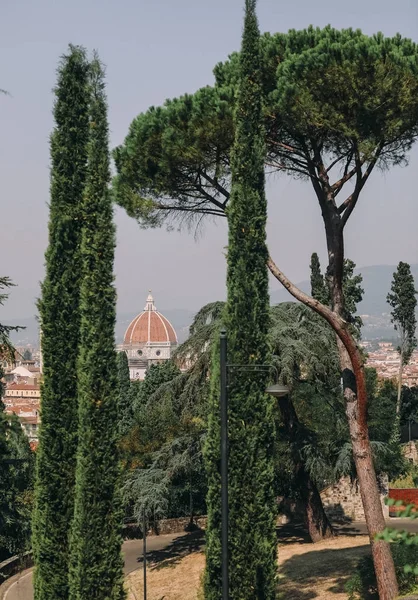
(355, 395)
(398, 400)
(369, 490)
(191, 507)
(316, 520)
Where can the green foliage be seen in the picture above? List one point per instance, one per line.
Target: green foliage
(125, 409)
(409, 405)
(16, 465)
(27, 355)
(356, 108)
(409, 480)
(155, 376)
(96, 565)
(352, 290)
(171, 138)
(165, 471)
(319, 288)
(6, 347)
(403, 302)
(60, 323)
(362, 584)
(353, 295)
(251, 424)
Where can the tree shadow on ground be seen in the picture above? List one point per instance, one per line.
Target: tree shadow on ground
(172, 554)
(296, 533)
(302, 574)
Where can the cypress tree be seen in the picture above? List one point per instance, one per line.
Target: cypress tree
(96, 562)
(319, 289)
(252, 540)
(60, 322)
(125, 412)
(403, 302)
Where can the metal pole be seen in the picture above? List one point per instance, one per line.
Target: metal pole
(224, 465)
(144, 541)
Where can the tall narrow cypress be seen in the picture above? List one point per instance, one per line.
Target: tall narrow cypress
(60, 322)
(96, 563)
(125, 411)
(252, 540)
(319, 289)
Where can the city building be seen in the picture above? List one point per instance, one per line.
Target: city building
(23, 400)
(385, 359)
(149, 339)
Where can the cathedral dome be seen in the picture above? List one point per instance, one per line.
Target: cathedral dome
(150, 327)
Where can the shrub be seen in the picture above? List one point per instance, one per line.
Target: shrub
(362, 584)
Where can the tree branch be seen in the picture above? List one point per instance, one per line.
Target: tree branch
(351, 201)
(216, 185)
(195, 209)
(338, 325)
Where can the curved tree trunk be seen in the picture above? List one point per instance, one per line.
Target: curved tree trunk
(316, 520)
(355, 395)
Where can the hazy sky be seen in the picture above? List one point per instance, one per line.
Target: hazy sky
(153, 50)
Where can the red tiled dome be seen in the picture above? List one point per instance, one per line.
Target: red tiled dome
(150, 327)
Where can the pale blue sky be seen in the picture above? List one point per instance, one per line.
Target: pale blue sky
(154, 50)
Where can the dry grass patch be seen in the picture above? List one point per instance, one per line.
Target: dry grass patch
(306, 571)
(172, 579)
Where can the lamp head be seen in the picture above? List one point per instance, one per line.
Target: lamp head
(277, 390)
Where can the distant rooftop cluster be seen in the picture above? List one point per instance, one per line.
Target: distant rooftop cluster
(385, 359)
(22, 394)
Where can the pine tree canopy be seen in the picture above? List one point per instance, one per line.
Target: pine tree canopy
(357, 108)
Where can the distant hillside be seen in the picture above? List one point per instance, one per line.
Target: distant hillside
(376, 283)
(179, 318)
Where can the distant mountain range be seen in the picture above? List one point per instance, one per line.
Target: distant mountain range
(376, 283)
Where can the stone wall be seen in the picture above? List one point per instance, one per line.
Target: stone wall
(164, 526)
(342, 501)
(410, 452)
(180, 525)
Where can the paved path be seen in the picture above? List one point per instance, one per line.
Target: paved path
(164, 546)
(158, 547)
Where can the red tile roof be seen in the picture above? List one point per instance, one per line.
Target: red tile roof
(22, 386)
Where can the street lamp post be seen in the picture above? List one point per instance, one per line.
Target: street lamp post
(277, 391)
(144, 550)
